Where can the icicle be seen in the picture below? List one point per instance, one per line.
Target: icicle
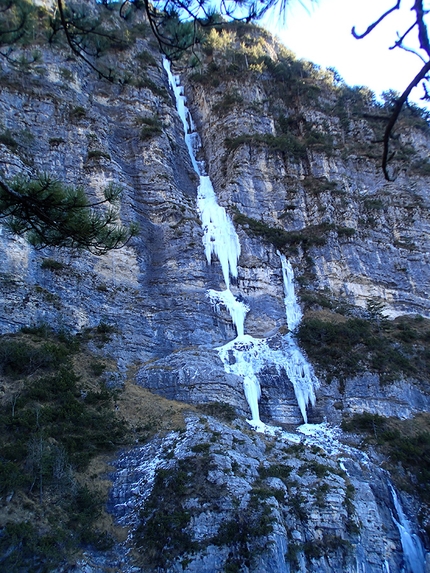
(302, 377)
(292, 307)
(236, 308)
(219, 235)
(413, 551)
(248, 356)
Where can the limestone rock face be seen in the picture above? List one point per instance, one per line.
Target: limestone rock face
(239, 500)
(284, 503)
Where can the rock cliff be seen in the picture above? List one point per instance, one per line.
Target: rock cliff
(292, 160)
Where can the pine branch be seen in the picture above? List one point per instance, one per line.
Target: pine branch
(50, 214)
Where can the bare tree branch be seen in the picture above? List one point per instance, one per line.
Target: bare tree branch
(399, 41)
(424, 44)
(72, 45)
(373, 26)
(423, 34)
(395, 114)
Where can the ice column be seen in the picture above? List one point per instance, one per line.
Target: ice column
(236, 308)
(292, 307)
(250, 356)
(413, 551)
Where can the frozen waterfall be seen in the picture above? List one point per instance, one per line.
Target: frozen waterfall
(236, 308)
(221, 242)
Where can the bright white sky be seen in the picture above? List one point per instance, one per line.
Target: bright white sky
(321, 32)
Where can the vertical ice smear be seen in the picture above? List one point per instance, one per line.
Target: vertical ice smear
(299, 371)
(191, 138)
(219, 236)
(302, 376)
(292, 307)
(413, 551)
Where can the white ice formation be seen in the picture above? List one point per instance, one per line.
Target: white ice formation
(219, 236)
(292, 307)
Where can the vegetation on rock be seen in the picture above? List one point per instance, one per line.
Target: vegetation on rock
(344, 347)
(53, 424)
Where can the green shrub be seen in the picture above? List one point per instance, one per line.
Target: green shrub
(151, 126)
(146, 83)
(230, 100)
(50, 428)
(24, 548)
(265, 492)
(345, 348)
(243, 534)
(146, 58)
(54, 141)
(201, 448)
(286, 143)
(66, 74)
(345, 231)
(77, 112)
(162, 534)
(11, 477)
(405, 442)
(41, 330)
(319, 184)
(221, 410)
(314, 235)
(274, 470)
(97, 368)
(373, 204)
(421, 168)
(311, 299)
(7, 139)
(330, 543)
(98, 154)
(51, 265)
(318, 141)
(19, 358)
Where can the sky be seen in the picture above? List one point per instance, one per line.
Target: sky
(321, 32)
